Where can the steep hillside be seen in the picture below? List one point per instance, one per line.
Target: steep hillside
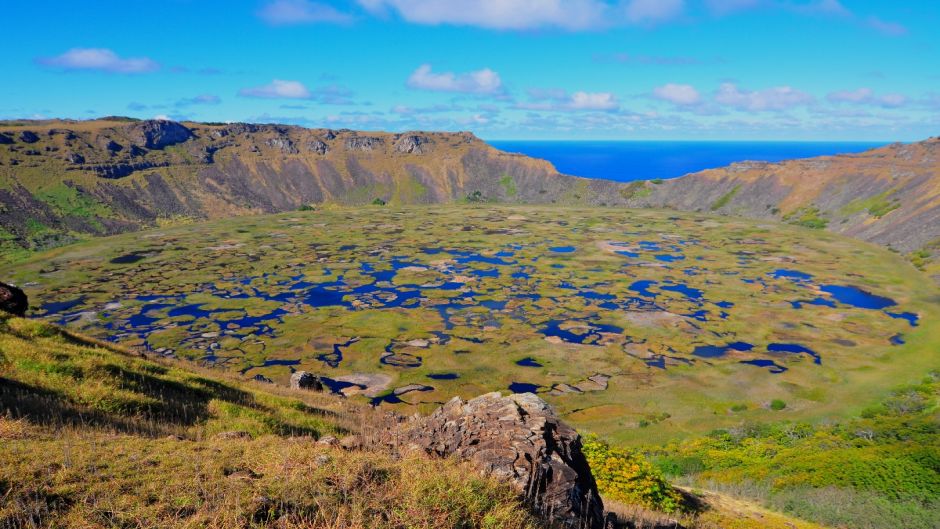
(92, 436)
(890, 196)
(59, 179)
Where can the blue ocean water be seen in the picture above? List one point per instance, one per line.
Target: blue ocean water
(643, 160)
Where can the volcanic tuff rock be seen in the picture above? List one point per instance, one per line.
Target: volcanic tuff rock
(305, 380)
(521, 441)
(13, 300)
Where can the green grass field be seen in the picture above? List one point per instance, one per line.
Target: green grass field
(378, 298)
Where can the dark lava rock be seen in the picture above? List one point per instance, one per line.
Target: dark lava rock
(305, 380)
(363, 143)
(158, 133)
(519, 440)
(412, 144)
(136, 151)
(74, 157)
(113, 146)
(5, 140)
(28, 136)
(13, 300)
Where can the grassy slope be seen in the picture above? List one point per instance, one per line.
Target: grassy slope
(95, 437)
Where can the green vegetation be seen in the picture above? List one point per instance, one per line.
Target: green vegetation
(636, 189)
(509, 185)
(879, 470)
(242, 283)
(877, 206)
(378, 202)
(807, 217)
(626, 476)
(777, 405)
(723, 200)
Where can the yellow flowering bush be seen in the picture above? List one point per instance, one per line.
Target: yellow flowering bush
(627, 476)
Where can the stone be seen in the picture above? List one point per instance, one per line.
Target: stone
(28, 136)
(158, 133)
(318, 147)
(350, 442)
(413, 144)
(13, 300)
(363, 143)
(519, 440)
(74, 158)
(305, 380)
(328, 440)
(282, 144)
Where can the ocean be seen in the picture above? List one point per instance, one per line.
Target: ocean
(624, 161)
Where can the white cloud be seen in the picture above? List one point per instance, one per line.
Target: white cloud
(99, 59)
(770, 99)
(289, 12)
(678, 94)
(529, 14)
(483, 81)
(867, 96)
(593, 101)
(278, 89)
(559, 100)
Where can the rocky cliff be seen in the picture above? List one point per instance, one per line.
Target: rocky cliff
(59, 179)
(65, 179)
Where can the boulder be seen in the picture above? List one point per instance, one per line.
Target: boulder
(75, 158)
(521, 441)
(5, 140)
(305, 380)
(28, 136)
(13, 300)
(158, 133)
(318, 147)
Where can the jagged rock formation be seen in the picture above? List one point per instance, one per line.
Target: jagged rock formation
(521, 441)
(13, 300)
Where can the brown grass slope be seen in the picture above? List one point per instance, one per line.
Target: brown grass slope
(889, 195)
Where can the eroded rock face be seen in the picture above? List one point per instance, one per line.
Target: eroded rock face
(363, 143)
(413, 144)
(158, 133)
(521, 441)
(13, 300)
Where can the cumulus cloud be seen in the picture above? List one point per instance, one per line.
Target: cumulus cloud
(560, 100)
(678, 94)
(483, 81)
(777, 98)
(529, 14)
(278, 89)
(290, 12)
(867, 96)
(99, 59)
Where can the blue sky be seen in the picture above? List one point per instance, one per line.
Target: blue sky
(504, 69)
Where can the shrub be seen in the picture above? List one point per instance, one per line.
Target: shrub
(777, 405)
(627, 476)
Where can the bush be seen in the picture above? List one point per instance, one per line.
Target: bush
(627, 476)
(777, 405)
(378, 202)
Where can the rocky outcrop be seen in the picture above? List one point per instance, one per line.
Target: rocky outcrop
(363, 143)
(158, 133)
(521, 441)
(282, 144)
(305, 380)
(413, 144)
(318, 147)
(28, 136)
(13, 300)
